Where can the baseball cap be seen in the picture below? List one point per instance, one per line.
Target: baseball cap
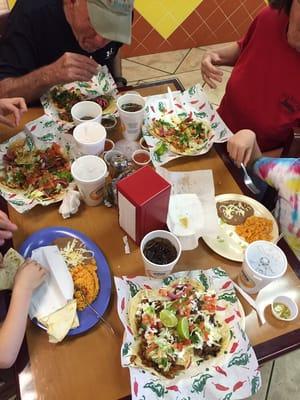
(112, 18)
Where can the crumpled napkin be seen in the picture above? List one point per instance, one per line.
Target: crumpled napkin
(70, 203)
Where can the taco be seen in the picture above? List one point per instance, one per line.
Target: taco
(184, 135)
(174, 327)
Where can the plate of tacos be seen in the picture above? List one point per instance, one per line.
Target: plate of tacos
(88, 267)
(242, 220)
(183, 134)
(31, 175)
(59, 100)
(179, 327)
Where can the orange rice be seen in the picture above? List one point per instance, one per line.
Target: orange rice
(86, 284)
(255, 228)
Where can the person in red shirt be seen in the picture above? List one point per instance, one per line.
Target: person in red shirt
(262, 94)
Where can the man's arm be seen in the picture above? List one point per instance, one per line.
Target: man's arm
(68, 68)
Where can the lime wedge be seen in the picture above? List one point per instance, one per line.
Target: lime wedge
(168, 318)
(183, 328)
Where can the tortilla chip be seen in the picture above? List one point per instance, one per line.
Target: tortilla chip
(11, 262)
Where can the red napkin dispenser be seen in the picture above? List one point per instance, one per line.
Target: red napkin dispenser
(143, 200)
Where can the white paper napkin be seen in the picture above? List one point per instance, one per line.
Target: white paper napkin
(201, 184)
(70, 203)
(58, 288)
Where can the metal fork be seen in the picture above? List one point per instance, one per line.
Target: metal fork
(248, 181)
(107, 324)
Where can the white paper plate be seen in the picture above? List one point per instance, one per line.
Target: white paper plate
(228, 243)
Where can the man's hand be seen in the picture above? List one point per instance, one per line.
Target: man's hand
(209, 71)
(6, 227)
(72, 67)
(241, 146)
(29, 276)
(12, 106)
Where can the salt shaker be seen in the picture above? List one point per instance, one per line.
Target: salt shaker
(118, 164)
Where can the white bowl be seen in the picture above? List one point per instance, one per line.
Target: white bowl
(83, 109)
(290, 303)
(160, 270)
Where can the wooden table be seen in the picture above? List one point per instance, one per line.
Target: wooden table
(88, 366)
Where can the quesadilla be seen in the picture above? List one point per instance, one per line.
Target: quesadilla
(10, 264)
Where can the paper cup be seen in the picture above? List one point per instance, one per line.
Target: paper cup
(84, 111)
(132, 120)
(89, 173)
(263, 263)
(90, 138)
(160, 270)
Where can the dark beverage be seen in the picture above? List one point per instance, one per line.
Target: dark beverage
(131, 107)
(108, 122)
(160, 251)
(86, 117)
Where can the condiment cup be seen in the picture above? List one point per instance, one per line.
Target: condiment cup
(291, 305)
(89, 173)
(263, 263)
(109, 122)
(160, 270)
(108, 146)
(143, 144)
(132, 120)
(90, 138)
(84, 109)
(141, 157)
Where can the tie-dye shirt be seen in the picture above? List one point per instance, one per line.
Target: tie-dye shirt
(284, 175)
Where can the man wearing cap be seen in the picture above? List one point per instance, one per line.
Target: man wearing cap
(49, 42)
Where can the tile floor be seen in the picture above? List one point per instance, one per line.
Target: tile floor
(280, 380)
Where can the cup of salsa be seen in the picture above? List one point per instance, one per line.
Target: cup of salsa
(141, 157)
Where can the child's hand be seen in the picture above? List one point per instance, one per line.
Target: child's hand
(29, 276)
(15, 106)
(241, 145)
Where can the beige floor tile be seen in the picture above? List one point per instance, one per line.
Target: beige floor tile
(192, 61)
(166, 62)
(285, 384)
(216, 46)
(136, 72)
(265, 374)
